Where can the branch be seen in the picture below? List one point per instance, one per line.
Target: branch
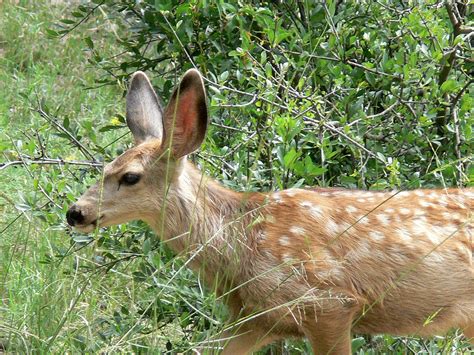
(452, 17)
(458, 29)
(84, 19)
(73, 139)
(49, 161)
(343, 135)
(461, 92)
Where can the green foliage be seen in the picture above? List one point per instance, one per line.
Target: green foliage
(360, 94)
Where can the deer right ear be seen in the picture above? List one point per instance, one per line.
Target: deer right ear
(144, 112)
(186, 115)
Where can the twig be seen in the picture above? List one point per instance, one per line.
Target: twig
(457, 144)
(49, 161)
(342, 134)
(456, 20)
(387, 110)
(349, 62)
(22, 161)
(461, 92)
(74, 140)
(251, 102)
(302, 14)
(84, 19)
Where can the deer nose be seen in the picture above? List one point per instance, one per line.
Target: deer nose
(74, 215)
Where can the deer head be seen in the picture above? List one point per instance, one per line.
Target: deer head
(142, 175)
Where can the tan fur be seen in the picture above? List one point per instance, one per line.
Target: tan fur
(314, 263)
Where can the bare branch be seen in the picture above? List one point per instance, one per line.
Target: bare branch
(59, 127)
(49, 161)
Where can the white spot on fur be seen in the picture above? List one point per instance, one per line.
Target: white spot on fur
(332, 227)
(418, 212)
(450, 229)
(465, 252)
(446, 215)
(403, 194)
(443, 201)
(362, 251)
(344, 226)
(426, 204)
(434, 258)
(297, 230)
(362, 219)
(405, 211)
(287, 259)
(306, 204)
(291, 192)
(404, 235)
(377, 236)
(383, 219)
(363, 248)
(389, 210)
(351, 209)
(419, 193)
(277, 197)
(362, 200)
(419, 227)
(284, 240)
(325, 194)
(316, 211)
(456, 216)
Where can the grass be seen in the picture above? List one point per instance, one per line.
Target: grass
(38, 296)
(59, 296)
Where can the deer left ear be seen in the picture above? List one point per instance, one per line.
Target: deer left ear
(144, 112)
(186, 115)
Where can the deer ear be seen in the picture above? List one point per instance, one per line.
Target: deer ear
(144, 112)
(186, 115)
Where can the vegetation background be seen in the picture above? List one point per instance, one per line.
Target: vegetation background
(360, 94)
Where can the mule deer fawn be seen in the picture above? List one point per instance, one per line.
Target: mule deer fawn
(316, 263)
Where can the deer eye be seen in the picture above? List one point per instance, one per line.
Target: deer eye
(130, 179)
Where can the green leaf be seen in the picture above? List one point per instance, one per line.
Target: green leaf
(449, 86)
(290, 158)
(146, 246)
(52, 33)
(89, 42)
(67, 21)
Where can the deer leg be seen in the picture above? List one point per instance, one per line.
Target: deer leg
(330, 335)
(469, 333)
(247, 343)
(243, 341)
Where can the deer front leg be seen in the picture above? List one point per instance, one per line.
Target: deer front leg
(469, 333)
(241, 341)
(330, 334)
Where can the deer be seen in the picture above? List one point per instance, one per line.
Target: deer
(315, 263)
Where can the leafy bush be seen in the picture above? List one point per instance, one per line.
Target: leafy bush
(356, 93)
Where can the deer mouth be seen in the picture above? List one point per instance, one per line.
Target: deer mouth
(89, 227)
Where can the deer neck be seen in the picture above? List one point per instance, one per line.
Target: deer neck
(205, 220)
